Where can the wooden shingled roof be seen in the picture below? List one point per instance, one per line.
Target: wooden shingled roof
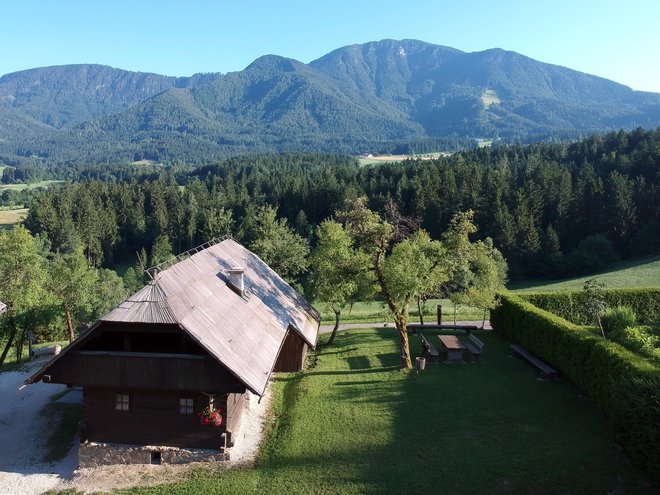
(243, 332)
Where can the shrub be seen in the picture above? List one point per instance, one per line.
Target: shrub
(626, 386)
(615, 320)
(645, 303)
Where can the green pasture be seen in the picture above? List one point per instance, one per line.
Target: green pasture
(11, 217)
(32, 185)
(356, 423)
(624, 275)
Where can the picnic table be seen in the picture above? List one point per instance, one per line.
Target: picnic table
(451, 348)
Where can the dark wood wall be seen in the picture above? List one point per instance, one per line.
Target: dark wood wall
(292, 354)
(154, 418)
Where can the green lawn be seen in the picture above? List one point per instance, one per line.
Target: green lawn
(356, 423)
(10, 361)
(377, 312)
(628, 274)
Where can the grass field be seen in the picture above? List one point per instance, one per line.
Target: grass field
(33, 185)
(377, 312)
(11, 217)
(10, 361)
(356, 423)
(629, 274)
(400, 158)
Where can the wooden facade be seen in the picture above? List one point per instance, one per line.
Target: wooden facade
(292, 354)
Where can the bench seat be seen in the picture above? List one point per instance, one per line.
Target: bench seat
(547, 371)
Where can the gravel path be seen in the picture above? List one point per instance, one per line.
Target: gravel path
(23, 436)
(344, 326)
(23, 431)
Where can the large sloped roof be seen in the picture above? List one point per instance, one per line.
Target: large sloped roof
(243, 332)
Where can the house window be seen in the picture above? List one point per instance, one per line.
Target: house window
(186, 405)
(122, 402)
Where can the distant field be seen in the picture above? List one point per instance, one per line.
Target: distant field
(629, 274)
(11, 217)
(400, 158)
(34, 185)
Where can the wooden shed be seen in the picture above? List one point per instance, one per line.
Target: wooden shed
(206, 330)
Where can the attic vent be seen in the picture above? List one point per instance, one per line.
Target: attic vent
(236, 280)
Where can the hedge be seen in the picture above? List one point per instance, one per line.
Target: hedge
(624, 385)
(570, 304)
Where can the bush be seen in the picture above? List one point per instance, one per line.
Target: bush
(569, 305)
(640, 340)
(615, 320)
(625, 385)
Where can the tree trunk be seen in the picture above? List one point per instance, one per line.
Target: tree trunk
(399, 317)
(483, 322)
(421, 310)
(334, 330)
(404, 344)
(69, 324)
(455, 309)
(10, 341)
(600, 325)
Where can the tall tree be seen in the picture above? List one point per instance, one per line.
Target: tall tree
(22, 278)
(339, 274)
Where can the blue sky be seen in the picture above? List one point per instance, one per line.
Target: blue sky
(613, 39)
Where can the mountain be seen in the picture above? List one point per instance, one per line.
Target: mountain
(368, 96)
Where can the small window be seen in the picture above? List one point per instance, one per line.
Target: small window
(186, 405)
(122, 402)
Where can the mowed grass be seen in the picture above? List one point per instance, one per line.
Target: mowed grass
(356, 423)
(376, 311)
(12, 217)
(628, 274)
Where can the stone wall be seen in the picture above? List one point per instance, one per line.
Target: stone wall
(100, 454)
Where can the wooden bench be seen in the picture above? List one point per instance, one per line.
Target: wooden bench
(474, 348)
(429, 351)
(547, 372)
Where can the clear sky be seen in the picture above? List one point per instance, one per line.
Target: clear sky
(618, 40)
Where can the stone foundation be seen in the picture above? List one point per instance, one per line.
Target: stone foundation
(102, 454)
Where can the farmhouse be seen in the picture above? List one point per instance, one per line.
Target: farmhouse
(204, 334)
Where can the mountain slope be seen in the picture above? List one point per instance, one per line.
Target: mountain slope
(355, 98)
(67, 95)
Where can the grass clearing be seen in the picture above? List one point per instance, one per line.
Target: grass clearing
(8, 218)
(400, 158)
(625, 275)
(10, 363)
(376, 311)
(32, 185)
(356, 423)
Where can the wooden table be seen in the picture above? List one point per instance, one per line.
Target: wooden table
(452, 348)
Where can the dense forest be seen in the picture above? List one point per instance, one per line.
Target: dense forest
(552, 209)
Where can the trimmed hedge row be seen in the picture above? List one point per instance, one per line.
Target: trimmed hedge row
(570, 304)
(625, 385)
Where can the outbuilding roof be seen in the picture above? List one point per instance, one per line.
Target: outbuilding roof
(243, 331)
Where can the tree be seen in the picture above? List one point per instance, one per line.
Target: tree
(340, 274)
(403, 264)
(277, 244)
(73, 282)
(161, 250)
(22, 278)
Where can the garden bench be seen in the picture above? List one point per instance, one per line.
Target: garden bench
(546, 370)
(474, 347)
(429, 351)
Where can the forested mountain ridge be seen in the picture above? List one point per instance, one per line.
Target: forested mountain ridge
(372, 96)
(68, 95)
